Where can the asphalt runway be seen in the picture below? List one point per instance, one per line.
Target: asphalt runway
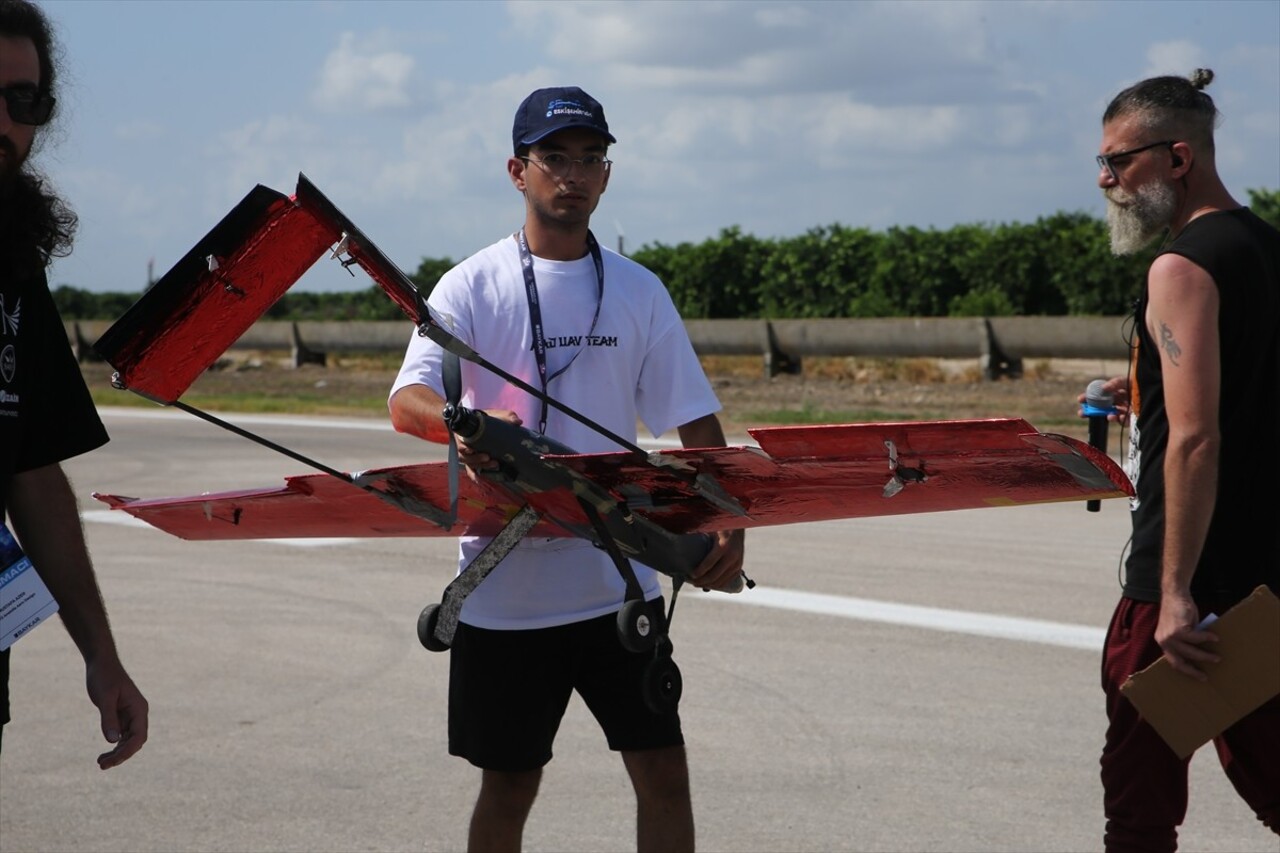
(921, 683)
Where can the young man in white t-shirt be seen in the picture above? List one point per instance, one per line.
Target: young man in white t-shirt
(613, 347)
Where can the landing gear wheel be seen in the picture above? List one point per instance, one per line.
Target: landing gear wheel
(662, 685)
(637, 629)
(427, 621)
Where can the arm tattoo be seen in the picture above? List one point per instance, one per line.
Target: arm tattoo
(1169, 345)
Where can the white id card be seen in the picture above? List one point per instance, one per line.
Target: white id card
(25, 601)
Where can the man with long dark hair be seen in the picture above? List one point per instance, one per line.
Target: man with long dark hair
(46, 413)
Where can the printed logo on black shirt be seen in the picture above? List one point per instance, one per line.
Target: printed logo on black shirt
(10, 320)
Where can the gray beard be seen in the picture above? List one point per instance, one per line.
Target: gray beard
(1137, 218)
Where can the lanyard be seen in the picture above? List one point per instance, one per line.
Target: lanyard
(535, 315)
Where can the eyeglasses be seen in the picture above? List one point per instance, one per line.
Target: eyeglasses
(559, 165)
(27, 104)
(1108, 161)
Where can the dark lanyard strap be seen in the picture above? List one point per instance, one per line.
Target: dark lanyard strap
(535, 314)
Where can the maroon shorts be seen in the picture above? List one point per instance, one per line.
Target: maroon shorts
(1144, 782)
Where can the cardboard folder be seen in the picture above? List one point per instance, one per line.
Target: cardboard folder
(1189, 713)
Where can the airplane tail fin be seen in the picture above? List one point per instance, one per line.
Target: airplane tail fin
(229, 279)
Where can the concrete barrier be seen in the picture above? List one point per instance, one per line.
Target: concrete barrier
(1001, 343)
(308, 342)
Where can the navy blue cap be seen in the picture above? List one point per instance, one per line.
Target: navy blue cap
(548, 110)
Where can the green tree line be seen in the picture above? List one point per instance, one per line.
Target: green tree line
(1058, 265)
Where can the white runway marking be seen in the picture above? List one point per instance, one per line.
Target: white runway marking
(160, 413)
(123, 519)
(933, 618)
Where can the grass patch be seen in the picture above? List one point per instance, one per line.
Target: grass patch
(807, 414)
(113, 397)
(1066, 423)
(288, 404)
(852, 368)
(250, 403)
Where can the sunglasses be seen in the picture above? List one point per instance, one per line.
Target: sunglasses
(27, 104)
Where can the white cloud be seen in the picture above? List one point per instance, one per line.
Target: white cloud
(1178, 58)
(777, 115)
(363, 75)
(268, 151)
(842, 124)
(790, 16)
(138, 209)
(140, 131)
(885, 52)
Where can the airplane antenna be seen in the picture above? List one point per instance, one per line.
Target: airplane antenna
(409, 505)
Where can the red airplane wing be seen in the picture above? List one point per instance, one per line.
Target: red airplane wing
(808, 473)
(321, 505)
(817, 473)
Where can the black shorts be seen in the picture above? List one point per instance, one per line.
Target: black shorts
(508, 691)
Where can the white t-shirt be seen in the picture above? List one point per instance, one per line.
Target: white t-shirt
(636, 365)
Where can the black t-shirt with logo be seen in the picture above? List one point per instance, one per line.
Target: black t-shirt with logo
(46, 413)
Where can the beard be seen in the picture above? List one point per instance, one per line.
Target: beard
(1136, 218)
(10, 162)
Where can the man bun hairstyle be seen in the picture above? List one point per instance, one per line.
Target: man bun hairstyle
(1201, 77)
(1171, 107)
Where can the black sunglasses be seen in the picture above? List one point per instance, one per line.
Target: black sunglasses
(27, 104)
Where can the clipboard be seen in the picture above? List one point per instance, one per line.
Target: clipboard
(1189, 713)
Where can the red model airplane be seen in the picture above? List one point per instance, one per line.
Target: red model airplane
(655, 507)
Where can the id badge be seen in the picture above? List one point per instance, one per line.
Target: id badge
(25, 601)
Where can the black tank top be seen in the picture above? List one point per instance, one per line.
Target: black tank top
(1242, 254)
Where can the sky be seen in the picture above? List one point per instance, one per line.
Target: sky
(774, 117)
